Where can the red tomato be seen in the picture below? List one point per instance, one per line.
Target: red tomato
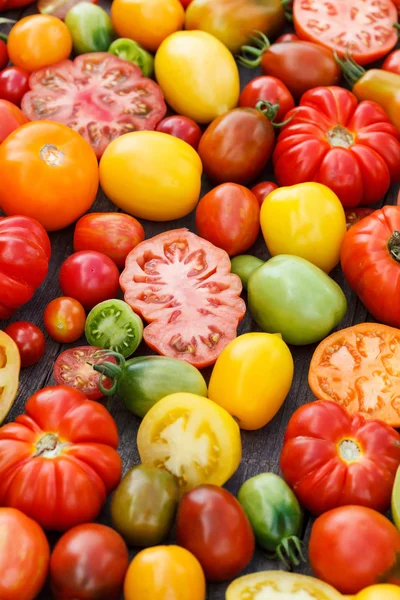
(181, 127)
(392, 62)
(263, 189)
(14, 83)
(104, 107)
(90, 277)
(3, 55)
(24, 556)
(229, 217)
(271, 90)
(58, 8)
(287, 37)
(353, 215)
(59, 460)
(11, 117)
(113, 234)
(30, 341)
(89, 562)
(213, 526)
(196, 312)
(353, 547)
(64, 319)
(352, 148)
(185, 3)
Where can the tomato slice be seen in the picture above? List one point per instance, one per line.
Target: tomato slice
(364, 28)
(353, 215)
(99, 95)
(182, 285)
(10, 364)
(192, 438)
(359, 367)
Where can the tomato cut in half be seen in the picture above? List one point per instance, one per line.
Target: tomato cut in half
(182, 285)
(364, 28)
(98, 94)
(10, 364)
(359, 367)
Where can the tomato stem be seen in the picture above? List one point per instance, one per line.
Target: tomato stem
(261, 44)
(291, 552)
(109, 370)
(394, 245)
(351, 70)
(397, 27)
(3, 37)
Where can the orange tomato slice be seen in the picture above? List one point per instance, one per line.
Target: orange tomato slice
(10, 364)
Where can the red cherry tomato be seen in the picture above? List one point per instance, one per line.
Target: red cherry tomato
(287, 37)
(3, 55)
(30, 341)
(262, 189)
(14, 83)
(392, 62)
(90, 277)
(181, 127)
(64, 319)
(271, 90)
(11, 117)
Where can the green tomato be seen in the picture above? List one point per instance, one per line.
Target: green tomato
(291, 296)
(144, 505)
(90, 28)
(129, 50)
(244, 265)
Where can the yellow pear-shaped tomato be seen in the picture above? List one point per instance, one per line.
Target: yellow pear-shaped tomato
(252, 377)
(198, 75)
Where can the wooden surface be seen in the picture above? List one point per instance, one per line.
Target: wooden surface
(261, 449)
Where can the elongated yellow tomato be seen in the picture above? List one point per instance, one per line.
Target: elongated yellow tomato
(10, 363)
(382, 591)
(252, 377)
(198, 75)
(306, 220)
(192, 438)
(151, 175)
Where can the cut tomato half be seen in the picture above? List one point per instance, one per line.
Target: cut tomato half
(10, 363)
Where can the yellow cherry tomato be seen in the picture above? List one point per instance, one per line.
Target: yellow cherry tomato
(165, 573)
(39, 41)
(151, 175)
(383, 591)
(147, 22)
(306, 220)
(198, 75)
(192, 438)
(252, 377)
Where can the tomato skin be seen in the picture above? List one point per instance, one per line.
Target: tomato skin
(89, 562)
(3, 55)
(14, 83)
(30, 341)
(381, 591)
(263, 189)
(287, 37)
(58, 8)
(229, 217)
(11, 117)
(271, 90)
(183, 128)
(64, 319)
(353, 215)
(185, 3)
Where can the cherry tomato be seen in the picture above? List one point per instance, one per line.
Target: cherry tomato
(229, 217)
(90, 277)
(263, 189)
(11, 117)
(287, 37)
(30, 341)
(14, 83)
(181, 127)
(392, 62)
(3, 55)
(64, 319)
(269, 89)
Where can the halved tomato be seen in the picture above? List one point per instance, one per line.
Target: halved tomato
(59, 8)
(10, 364)
(98, 94)
(182, 285)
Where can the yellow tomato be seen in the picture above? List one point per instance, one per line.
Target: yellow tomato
(198, 75)
(252, 377)
(39, 41)
(306, 220)
(165, 573)
(148, 22)
(10, 363)
(383, 591)
(151, 175)
(192, 438)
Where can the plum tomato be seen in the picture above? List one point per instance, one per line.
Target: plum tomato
(14, 83)
(263, 189)
(64, 319)
(3, 55)
(30, 341)
(269, 89)
(181, 127)
(392, 62)
(11, 117)
(229, 217)
(90, 277)
(98, 94)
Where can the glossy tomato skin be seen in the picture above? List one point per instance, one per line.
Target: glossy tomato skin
(90, 277)
(236, 146)
(58, 8)
(3, 55)
(64, 319)
(181, 127)
(89, 562)
(271, 90)
(263, 189)
(229, 217)
(11, 117)
(392, 62)
(30, 341)
(287, 37)
(14, 83)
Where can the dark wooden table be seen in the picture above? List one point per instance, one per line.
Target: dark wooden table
(261, 449)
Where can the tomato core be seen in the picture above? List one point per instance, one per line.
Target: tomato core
(340, 137)
(349, 451)
(52, 156)
(49, 446)
(394, 245)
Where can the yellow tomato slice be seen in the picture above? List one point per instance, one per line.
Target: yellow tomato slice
(192, 438)
(10, 363)
(279, 585)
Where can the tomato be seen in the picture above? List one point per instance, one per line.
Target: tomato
(90, 277)
(353, 215)
(381, 591)
(196, 314)
(269, 89)
(24, 556)
(14, 83)
(59, 460)
(229, 217)
(306, 220)
(181, 127)
(365, 31)
(199, 62)
(11, 117)
(263, 189)
(3, 55)
(58, 8)
(392, 62)
(331, 139)
(30, 341)
(252, 377)
(152, 175)
(90, 28)
(64, 319)
(38, 41)
(185, 3)
(148, 22)
(10, 363)
(237, 145)
(287, 37)
(370, 261)
(192, 438)
(347, 531)
(102, 109)
(279, 585)
(89, 562)
(244, 266)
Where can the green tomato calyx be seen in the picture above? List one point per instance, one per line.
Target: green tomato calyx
(251, 56)
(291, 552)
(394, 245)
(110, 370)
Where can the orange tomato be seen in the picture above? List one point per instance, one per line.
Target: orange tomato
(38, 41)
(48, 172)
(11, 117)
